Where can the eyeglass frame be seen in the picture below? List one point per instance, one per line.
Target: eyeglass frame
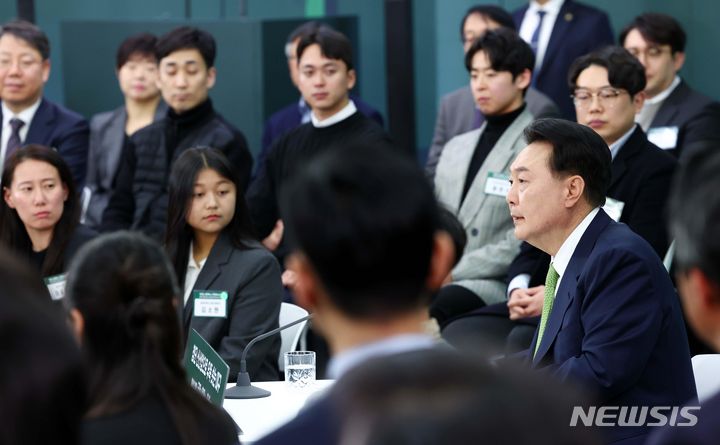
(608, 102)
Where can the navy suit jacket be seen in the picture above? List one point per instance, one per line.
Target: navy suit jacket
(578, 30)
(289, 118)
(696, 116)
(616, 328)
(64, 130)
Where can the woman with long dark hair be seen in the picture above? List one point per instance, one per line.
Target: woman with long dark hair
(122, 294)
(231, 284)
(40, 212)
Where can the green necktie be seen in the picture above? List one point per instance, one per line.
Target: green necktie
(550, 282)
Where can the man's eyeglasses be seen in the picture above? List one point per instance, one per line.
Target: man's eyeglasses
(651, 52)
(607, 97)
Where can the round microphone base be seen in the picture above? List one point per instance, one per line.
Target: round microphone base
(244, 390)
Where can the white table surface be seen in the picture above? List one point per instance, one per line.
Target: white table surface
(258, 417)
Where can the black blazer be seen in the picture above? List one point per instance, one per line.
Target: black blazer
(641, 178)
(252, 280)
(64, 130)
(696, 116)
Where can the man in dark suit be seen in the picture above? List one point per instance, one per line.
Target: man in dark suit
(694, 205)
(297, 113)
(27, 117)
(367, 254)
(675, 117)
(560, 31)
(611, 321)
(458, 111)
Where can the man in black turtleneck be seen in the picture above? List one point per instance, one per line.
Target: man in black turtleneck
(186, 73)
(325, 78)
(472, 174)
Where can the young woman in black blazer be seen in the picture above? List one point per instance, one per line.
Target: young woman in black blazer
(230, 283)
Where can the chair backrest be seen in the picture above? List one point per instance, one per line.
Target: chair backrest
(706, 369)
(292, 335)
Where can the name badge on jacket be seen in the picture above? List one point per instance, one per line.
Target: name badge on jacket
(497, 184)
(210, 303)
(613, 208)
(663, 137)
(56, 286)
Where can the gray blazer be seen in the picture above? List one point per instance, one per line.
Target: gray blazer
(107, 138)
(457, 114)
(491, 243)
(251, 277)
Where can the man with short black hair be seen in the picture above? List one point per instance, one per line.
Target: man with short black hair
(471, 177)
(611, 321)
(367, 253)
(675, 117)
(186, 58)
(458, 112)
(297, 113)
(326, 75)
(27, 117)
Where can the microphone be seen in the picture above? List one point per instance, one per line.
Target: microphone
(243, 389)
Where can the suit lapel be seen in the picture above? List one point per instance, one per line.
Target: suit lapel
(630, 149)
(568, 283)
(219, 256)
(44, 117)
(558, 34)
(670, 107)
(459, 157)
(497, 160)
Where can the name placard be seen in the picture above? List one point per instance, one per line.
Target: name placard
(206, 371)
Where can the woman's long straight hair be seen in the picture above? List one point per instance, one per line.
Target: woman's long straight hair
(124, 287)
(12, 230)
(179, 234)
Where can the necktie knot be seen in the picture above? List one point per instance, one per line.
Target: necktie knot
(16, 124)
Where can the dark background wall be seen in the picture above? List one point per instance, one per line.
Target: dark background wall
(254, 77)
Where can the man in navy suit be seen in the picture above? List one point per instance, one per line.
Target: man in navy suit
(297, 113)
(695, 204)
(611, 321)
(560, 31)
(363, 221)
(27, 117)
(675, 117)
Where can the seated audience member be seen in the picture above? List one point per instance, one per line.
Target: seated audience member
(210, 244)
(611, 321)
(458, 112)
(694, 206)
(42, 379)
(675, 117)
(363, 222)
(448, 398)
(40, 210)
(297, 113)
(607, 89)
(326, 75)
(560, 31)
(122, 294)
(27, 117)
(136, 69)
(186, 58)
(471, 177)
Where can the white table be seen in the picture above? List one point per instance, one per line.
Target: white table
(258, 417)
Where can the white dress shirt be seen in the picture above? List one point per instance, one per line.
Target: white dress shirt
(191, 275)
(25, 115)
(530, 22)
(561, 260)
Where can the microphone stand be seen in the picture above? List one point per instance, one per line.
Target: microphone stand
(243, 389)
